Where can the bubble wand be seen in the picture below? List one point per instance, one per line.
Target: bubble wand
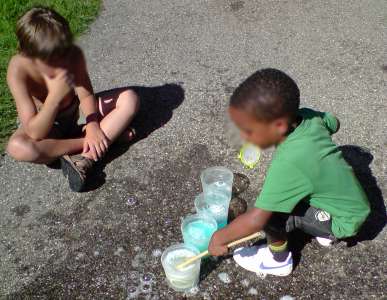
(249, 155)
(190, 260)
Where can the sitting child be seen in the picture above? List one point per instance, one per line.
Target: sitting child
(309, 185)
(49, 81)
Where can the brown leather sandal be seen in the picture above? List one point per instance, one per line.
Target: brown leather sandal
(75, 168)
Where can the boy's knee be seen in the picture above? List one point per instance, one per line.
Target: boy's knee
(21, 149)
(130, 101)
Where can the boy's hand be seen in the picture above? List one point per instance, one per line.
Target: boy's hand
(96, 142)
(59, 86)
(215, 248)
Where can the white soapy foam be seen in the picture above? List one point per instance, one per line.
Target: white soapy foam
(157, 253)
(119, 251)
(138, 260)
(193, 291)
(245, 282)
(133, 276)
(178, 256)
(80, 255)
(287, 297)
(252, 291)
(224, 277)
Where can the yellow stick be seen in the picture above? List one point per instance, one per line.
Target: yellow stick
(205, 253)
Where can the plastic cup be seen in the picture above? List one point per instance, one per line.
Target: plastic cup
(217, 182)
(184, 279)
(216, 207)
(197, 231)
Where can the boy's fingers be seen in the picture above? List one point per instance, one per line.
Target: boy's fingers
(105, 142)
(98, 150)
(103, 147)
(85, 147)
(45, 77)
(93, 153)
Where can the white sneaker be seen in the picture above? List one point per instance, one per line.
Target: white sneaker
(269, 265)
(249, 258)
(325, 242)
(259, 259)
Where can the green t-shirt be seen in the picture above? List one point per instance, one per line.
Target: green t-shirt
(309, 166)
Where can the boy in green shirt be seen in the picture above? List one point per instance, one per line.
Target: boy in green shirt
(308, 186)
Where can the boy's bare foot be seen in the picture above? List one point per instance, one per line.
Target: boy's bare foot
(75, 168)
(127, 136)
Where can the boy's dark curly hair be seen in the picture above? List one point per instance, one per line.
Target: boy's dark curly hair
(267, 94)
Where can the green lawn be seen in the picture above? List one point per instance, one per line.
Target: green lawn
(80, 13)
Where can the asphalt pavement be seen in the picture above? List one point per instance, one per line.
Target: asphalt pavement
(185, 58)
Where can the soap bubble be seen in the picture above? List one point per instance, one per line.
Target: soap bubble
(146, 288)
(131, 201)
(224, 277)
(132, 292)
(133, 276)
(147, 278)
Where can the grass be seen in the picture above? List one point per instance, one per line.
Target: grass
(79, 13)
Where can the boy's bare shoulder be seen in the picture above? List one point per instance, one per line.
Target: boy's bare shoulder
(18, 67)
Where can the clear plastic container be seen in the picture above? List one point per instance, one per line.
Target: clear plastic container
(216, 207)
(184, 279)
(197, 230)
(217, 182)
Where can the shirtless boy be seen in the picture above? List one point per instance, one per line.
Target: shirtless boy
(49, 82)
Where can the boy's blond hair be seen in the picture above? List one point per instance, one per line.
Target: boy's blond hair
(43, 33)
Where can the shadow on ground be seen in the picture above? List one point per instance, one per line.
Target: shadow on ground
(156, 109)
(360, 159)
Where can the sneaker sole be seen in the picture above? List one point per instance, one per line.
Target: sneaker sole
(283, 271)
(76, 182)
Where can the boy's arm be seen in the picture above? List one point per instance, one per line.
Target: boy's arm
(248, 223)
(37, 125)
(95, 140)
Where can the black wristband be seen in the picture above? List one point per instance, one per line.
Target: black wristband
(94, 117)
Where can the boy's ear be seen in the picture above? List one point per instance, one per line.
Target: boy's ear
(282, 126)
